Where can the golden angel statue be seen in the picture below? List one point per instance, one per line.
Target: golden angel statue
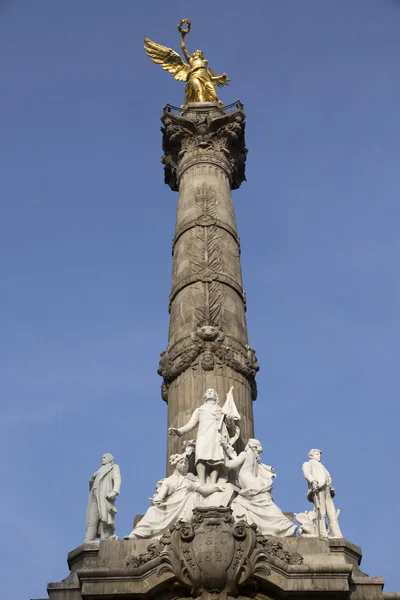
(200, 78)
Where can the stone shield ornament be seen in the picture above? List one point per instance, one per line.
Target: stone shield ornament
(213, 547)
(212, 555)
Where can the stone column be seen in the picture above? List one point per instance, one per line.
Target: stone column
(204, 159)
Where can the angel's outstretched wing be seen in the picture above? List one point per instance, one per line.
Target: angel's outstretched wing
(167, 58)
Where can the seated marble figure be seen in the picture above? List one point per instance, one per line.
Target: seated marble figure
(254, 501)
(175, 500)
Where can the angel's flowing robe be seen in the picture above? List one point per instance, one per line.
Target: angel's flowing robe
(199, 87)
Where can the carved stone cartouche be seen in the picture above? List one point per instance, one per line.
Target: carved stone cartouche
(212, 554)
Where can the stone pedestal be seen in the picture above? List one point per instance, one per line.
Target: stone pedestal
(215, 558)
(208, 346)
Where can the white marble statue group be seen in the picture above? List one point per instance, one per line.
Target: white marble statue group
(221, 477)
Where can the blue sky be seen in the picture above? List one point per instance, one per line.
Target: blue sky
(85, 249)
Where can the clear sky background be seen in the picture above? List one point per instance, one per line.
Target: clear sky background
(85, 249)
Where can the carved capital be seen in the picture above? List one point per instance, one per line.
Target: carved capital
(213, 137)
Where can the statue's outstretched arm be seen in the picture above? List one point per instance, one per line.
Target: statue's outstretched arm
(194, 419)
(237, 462)
(162, 494)
(206, 489)
(219, 80)
(184, 31)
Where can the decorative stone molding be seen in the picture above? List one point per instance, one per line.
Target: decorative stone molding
(274, 548)
(153, 551)
(207, 342)
(214, 138)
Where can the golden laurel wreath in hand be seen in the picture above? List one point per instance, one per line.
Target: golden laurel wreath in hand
(180, 25)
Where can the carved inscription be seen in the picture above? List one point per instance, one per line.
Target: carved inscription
(213, 546)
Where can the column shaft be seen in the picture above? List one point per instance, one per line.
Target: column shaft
(208, 344)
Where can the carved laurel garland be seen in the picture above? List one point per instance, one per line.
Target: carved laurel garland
(207, 342)
(197, 242)
(206, 253)
(205, 200)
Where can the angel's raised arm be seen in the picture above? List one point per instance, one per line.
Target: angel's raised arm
(184, 49)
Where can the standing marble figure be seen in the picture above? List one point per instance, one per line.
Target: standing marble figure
(321, 493)
(104, 487)
(215, 426)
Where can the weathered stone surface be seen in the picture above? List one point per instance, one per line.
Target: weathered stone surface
(204, 159)
(213, 554)
(215, 557)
